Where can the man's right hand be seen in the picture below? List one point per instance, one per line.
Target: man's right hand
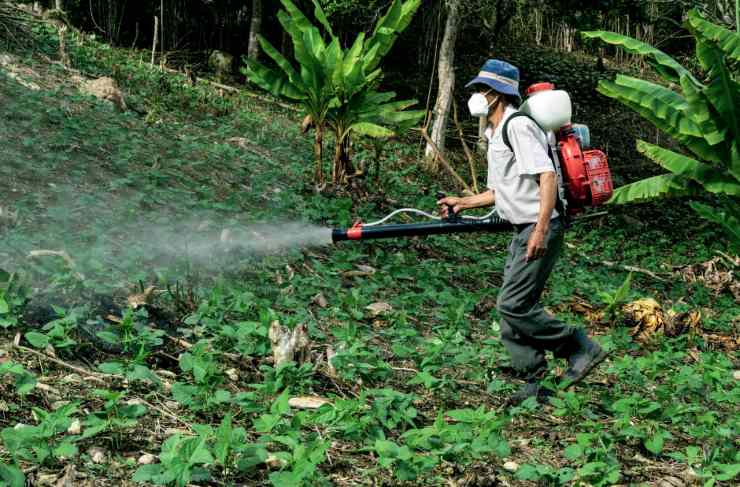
(456, 203)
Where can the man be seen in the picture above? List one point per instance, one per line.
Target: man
(523, 184)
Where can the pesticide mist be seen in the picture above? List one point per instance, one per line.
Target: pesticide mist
(113, 246)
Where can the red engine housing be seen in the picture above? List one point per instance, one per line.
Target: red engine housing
(586, 175)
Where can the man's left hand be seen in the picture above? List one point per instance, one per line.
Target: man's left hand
(536, 247)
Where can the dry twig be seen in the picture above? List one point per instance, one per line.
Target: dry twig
(610, 264)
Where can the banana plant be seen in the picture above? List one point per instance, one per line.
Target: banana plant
(703, 115)
(337, 87)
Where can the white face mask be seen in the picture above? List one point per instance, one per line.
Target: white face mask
(479, 106)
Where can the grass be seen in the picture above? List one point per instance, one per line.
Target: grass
(417, 392)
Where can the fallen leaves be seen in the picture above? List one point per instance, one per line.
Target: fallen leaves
(307, 402)
(361, 271)
(717, 274)
(647, 319)
(138, 300)
(378, 308)
(289, 345)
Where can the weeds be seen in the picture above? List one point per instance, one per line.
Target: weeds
(414, 394)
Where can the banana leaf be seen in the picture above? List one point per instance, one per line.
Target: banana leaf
(700, 113)
(318, 12)
(722, 90)
(663, 64)
(726, 40)
(371, 130)
(272, 81)
(652, 102)
(294, 77)
(662, 186)
(712, 179)
(386, 31)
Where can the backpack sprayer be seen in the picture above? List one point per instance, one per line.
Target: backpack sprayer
(583, 175)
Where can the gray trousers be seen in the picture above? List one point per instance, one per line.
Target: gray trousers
(527, 330)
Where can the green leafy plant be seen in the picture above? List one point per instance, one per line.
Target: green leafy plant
(11, 476)
(614, 299)
(704, 117)
(132, 334)
(406, 464)
(337, 86)
(545, 474)
(115, 418)
(7, 299)
(205, 392)
(46, 441)
(183, 460)
(59, 333)
(301, 462)
(137, 341)
(25, 381)
(599, 464)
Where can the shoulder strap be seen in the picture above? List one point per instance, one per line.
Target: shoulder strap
(559, 205)
(505, 128)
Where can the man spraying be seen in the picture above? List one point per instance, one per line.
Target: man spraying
(523, 183)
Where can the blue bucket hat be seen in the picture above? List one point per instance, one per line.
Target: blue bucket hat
(499, 75)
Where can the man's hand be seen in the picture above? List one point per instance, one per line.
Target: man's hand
(536, 247)
(456, 203)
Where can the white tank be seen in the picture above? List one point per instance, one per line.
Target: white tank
(550, 107)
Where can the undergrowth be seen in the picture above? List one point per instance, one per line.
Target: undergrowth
(415, 387)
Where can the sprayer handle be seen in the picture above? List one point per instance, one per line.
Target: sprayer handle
(451, 215)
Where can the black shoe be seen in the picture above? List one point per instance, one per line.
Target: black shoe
(530, 389)
(587, 356)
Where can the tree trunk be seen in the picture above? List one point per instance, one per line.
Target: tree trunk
(342, 166)
(59, 4)
(446, 77)
(255, 27)
(318, 151)
(154, 40)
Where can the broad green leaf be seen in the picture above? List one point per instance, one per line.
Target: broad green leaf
(281, 61)
(573, 452)
(386, 31)
(665, 65)
(371, 130)
(387, 448)
(318, 12)
(38, 340)
(113, 368)
(4, 308)
(12, 475)
(272, 81)
(109, 337)
(653, 102)
(711, 178)
(662, 186)
(654, 444)
(722, 90)
(728, 471)
(66, 449)
(727, 40)
(201, 453)
(24, 383)
(699, 112)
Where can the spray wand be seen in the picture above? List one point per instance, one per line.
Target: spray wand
(452, 223)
